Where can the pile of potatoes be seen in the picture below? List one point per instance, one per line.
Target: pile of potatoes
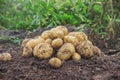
(63, 44)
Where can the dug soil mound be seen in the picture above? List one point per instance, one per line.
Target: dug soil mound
(104, 67)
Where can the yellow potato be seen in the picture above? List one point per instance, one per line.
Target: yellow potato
(85, 49)
(46, 34)
(27, 51)
(57, 33)
(71, 39)
(49, 41)
(33, 42)
(64, 29)
(76, 57)
(66, 51)
(24, 42)
(43, 51)
(96, 50)
(55, 62)
(5, 57)
(56, 43)
(79, 35)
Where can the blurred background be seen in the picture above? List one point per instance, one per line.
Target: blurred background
(102, 16)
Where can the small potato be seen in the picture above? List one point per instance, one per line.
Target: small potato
(46, 35)
(57, 33)
(43, 51)
(49, 41)
(96, 50)
(64, 29)
(55, 62)
(76, 57)
(71, 39)
(56, 43)
(66, 51)
(87, 42)
(85, 49)
(24, 42)
(79, 35)
(33, 42)
(27, 51)
(5, 57)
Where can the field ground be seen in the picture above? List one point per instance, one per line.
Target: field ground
(104, 67)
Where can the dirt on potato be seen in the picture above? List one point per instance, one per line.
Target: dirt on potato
(104, 67)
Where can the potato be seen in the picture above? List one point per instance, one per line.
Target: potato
(79, 35)
(76, 57)
(96, 50)
(55, 62)
(5, 57)
(24, 42)
(43, 51)
(57, 33)
(87, 42)
(71, 39)
(49, 41)
(66, 51)
(46, 35)
(56, 43)
(27, 51)
(64, 29)
(85, 49)
(33, 42)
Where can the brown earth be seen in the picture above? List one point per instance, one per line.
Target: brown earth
(104, 67)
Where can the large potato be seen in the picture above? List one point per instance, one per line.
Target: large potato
(43, 51)
(85, 49)
(79, 35)
(56, 43)
(66, 51)
(55, 62)
(71, 39)
(33, 42)
(64, 29)
(5, 57)
(46, 34)
(57, 33)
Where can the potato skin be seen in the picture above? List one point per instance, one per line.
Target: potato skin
(5, 57)
(24, 42)
(46, 35)
(64, 29)
(56, 43)
(76, 57)
(55, 62)
(57, 33)
(33, 42)
(49, 41)
(71, 39)
(85, 49)
(66, 51)
(79, 35)
(96, 50)
(43, 51)
(27, 51)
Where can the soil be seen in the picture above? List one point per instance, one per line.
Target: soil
(104, 67)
